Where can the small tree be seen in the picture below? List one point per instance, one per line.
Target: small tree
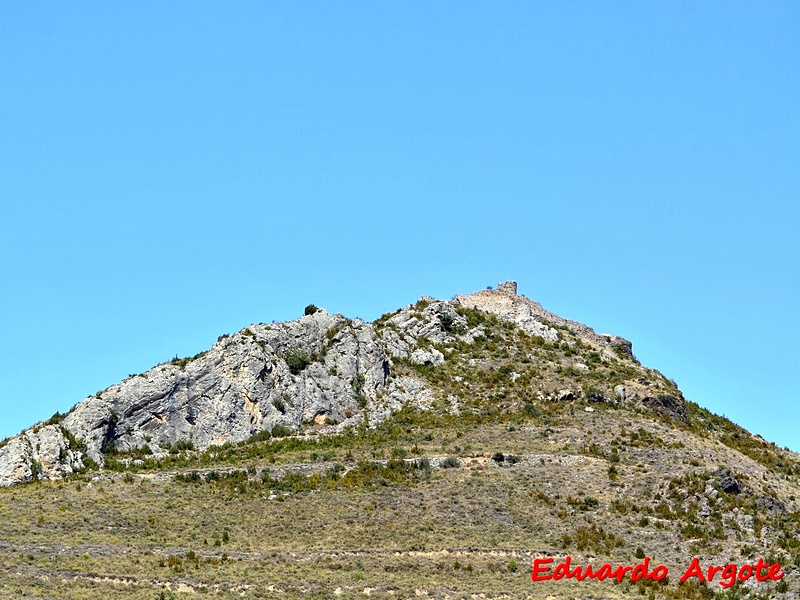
(311, 309)
(297, 361)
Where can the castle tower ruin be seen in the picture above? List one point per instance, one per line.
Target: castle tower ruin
(508, 287)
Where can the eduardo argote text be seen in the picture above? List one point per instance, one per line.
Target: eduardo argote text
(727, 575)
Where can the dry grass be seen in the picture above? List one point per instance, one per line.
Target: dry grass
(460, 531)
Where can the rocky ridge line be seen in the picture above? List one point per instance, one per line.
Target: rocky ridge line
(320, 371)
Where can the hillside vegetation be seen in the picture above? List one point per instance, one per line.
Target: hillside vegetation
(472, 436)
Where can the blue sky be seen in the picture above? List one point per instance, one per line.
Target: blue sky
(171, 172)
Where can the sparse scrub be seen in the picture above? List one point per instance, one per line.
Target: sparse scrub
(297, 360)
(593, 538)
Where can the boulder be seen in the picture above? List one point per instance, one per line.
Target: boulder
(728, 482)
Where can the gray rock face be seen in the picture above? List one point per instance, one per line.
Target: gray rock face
(669, 405)
(38, 453)
(743, 520)
(411, 332)
(263, 376)
(535, 320)
(432, 357)
(565, 396)
(728, 482)
(619, 343)
(528, 315)
(770, 505)
(321, 371)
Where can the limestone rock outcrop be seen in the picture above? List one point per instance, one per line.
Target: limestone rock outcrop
(321, 373)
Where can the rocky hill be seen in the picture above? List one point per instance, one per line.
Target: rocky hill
(321, 369)
(493, 430)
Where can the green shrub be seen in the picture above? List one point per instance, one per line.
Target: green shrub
(448, 323)
(593, 538)
(182, 362)
(358, 382)
(191, 477)
(297, 360)
(260, 436)
(281, 431)
(588, 503)
(36, 470)
(55, 419)
(310, 309)
(446, 320)
(422, 304)
(175, 563)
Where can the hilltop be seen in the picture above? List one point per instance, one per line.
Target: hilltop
(321, 370)
(435, 452)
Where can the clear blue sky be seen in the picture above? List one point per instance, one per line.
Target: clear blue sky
(173, 171)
